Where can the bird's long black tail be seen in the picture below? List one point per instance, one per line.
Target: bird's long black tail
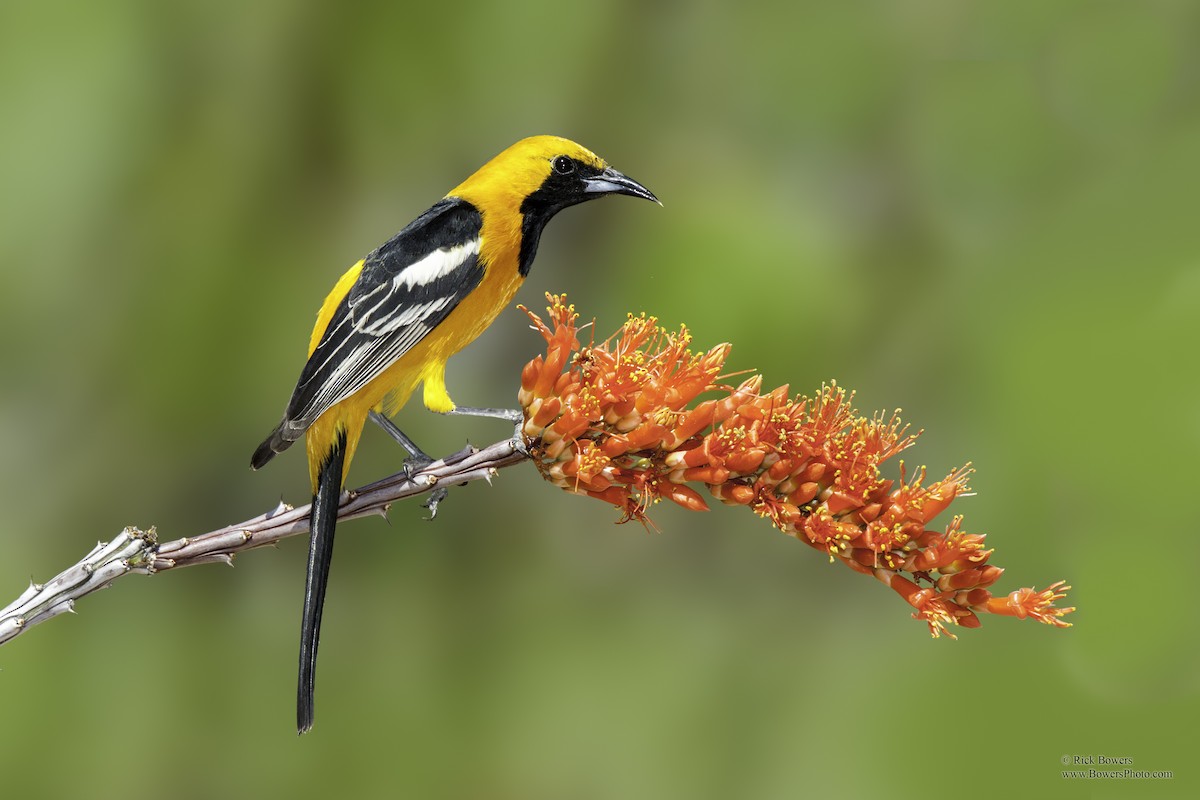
(320, 552)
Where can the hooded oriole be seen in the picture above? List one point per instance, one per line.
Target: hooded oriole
(396, 316)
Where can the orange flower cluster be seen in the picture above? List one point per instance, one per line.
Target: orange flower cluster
(615, 421)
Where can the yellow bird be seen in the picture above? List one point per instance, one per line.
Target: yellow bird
(395, 318)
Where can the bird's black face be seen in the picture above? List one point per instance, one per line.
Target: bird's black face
(569, 183)
(572, 181)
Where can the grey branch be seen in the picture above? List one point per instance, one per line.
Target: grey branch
(138, 551)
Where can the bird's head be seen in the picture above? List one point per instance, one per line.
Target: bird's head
(518, 191)
(542, 175)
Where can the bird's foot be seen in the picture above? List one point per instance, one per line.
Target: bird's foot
(435, 497)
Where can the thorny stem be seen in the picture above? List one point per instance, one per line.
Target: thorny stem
(134, 550)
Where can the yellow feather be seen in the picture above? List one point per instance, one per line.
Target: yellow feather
(340, 290)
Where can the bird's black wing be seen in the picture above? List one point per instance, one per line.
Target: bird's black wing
(405, 289)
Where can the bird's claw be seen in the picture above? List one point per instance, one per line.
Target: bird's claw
(414, 464)
(435, 497)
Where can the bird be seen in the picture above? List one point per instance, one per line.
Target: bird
(392, 321)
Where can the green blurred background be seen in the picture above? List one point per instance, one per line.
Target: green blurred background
(983, 215)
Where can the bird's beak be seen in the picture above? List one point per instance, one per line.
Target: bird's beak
(612, 182)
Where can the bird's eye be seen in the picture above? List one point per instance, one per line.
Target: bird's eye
(563, 165)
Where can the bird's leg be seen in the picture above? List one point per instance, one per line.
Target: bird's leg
(416, 461)
(417, 456)
(513, 415)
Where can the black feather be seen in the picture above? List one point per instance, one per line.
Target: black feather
(558, 191)
(274, 444)
(322, 524)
